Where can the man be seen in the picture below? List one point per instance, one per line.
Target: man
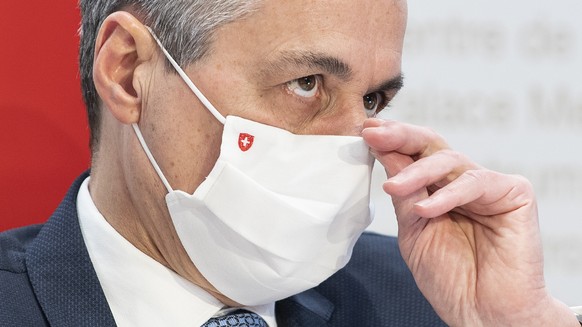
(194, 209)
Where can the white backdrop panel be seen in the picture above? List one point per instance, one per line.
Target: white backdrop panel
(502, 81)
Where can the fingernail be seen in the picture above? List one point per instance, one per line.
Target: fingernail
(424, 203)
(368, 129)
(375, 120)
(398, 179)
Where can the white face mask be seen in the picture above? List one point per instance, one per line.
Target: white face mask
(278, 214)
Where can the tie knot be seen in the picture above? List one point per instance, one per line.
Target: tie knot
(238, 318)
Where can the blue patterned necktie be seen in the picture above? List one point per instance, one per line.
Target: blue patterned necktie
(238, 318)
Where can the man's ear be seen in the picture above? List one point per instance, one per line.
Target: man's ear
(122, 45)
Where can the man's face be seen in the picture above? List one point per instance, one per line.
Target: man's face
(310, 67)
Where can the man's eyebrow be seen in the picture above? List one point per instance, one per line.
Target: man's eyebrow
(393, 84)
(312, 60)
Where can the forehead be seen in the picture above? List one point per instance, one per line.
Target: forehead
(364, 33)
(326, 14)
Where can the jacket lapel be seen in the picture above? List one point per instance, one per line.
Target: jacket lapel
(309, 308)
(61, 271)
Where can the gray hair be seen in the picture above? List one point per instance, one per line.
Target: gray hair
(185, 27)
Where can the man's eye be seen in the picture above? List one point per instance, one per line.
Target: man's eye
(306, 87)
(373, 103)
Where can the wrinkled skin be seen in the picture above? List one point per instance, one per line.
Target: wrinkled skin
(469, 235)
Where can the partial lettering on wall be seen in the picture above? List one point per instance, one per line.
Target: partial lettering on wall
(502, 81)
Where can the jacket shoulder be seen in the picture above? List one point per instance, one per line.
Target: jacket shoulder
(18, 305)
(13, 245)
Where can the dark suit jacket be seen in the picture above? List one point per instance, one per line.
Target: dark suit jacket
(47, 279)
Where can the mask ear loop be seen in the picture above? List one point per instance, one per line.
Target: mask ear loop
(151, 157)
(194, 89)
(188, 81)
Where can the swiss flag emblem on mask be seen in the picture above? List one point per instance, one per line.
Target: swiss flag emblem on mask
(245, 141)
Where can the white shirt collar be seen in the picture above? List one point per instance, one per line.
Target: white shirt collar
(141, 291)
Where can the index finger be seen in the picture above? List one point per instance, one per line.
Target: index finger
(415, 141)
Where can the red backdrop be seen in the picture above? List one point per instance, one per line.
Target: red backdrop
(43, 128)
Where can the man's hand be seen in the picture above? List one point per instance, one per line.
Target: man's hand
(469, 235)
